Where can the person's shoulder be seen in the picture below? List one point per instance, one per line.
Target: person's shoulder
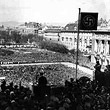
(42, 77)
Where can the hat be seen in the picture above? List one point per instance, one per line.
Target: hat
(67, 100)
(50, 108)
(87, 98)
(66, 105)
(41, 71)
(13, 102)
(61, 108)
(55, 99)
(12, 93)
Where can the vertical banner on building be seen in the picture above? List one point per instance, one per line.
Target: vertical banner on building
(88, 21)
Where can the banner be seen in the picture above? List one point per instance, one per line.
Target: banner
(88, 21)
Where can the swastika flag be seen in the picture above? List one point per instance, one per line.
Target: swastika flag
(88, 21)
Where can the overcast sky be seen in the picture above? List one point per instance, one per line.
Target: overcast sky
(51, 11)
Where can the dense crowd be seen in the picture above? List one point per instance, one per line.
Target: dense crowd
(21, 91)
(35, 56)
(38, 55)
(82, 94)
(56, 73)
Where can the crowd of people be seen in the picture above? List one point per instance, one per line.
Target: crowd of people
(38, 55)
(29, 56)
(51, 87)
(56, 73)
(80, 94)
(103, 77)
(59, 92)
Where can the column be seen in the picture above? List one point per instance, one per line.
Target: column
(94, 47)
(106, 47)
(97, 46)
(103, 46)
(109, 47)
(83, 42)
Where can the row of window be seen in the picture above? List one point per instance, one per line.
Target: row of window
(75, 44)
(103, 41)
(28, 31)
(75, 40)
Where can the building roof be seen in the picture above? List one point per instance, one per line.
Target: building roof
(53, 30)
(71, 30)
(87, 31)
(70, 26)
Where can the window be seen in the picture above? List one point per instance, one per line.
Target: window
(85, 40)
(66, 38)
(75, 40)
(102, 41)
(62, 38)
(70, 39)
(35, 31)
(90, 41)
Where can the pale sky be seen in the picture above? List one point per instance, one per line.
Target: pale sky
(51, 11)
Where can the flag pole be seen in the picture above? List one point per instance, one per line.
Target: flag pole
(77, 41)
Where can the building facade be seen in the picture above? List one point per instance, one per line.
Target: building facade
(101, 46)
(95, 43)
(30, 28)
(101, 43)
(69, 38)
(52, 35)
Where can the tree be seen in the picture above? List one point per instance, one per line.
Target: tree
(24, 38)
(16, 36)
(5, 35)
(53, 47)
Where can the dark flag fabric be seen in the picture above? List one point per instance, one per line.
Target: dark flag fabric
(88, 21)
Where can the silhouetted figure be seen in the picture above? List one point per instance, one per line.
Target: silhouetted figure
(97, 71)
(3, 86)
(42, 81)
(107, 76)
(42, 86)
(97, 66)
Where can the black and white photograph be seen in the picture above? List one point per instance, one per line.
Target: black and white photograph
(54, 55)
